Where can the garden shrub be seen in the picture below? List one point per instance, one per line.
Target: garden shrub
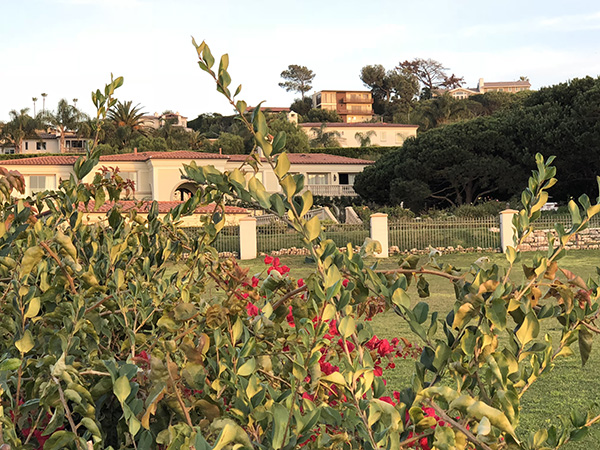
(103, 345)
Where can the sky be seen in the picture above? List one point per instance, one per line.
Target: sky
(67, 48)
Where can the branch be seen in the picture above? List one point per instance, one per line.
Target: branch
(67, 411)
(446, 418)
(421, 271)
(54, 256)
(283, 299)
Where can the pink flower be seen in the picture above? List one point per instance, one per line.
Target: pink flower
(290, 318)
(252, 309)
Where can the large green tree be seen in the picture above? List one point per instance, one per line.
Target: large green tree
(297, 79)
(490, 155)
(128, 122)
(65, 118)
(431, 74)
(20, 126)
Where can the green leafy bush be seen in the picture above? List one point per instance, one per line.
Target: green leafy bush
(105, 344)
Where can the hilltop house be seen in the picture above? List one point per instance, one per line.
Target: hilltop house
(157, 176)
(379, 134)
(49, 143)
(490, 86)
(351, 106)
(159, 120)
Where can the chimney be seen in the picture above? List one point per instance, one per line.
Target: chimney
(220, 150)
(135, 150)
(480, 85)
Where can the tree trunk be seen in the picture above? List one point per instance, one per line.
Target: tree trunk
(62, 140)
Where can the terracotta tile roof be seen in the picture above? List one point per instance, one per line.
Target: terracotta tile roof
(163, 207)
(357, 124)
(273, 109)
(145, 156)
(505, 83)
(54, 160)
(68, 160)
(311, 158)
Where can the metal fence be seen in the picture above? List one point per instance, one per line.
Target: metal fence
(228, 239)
(547, 222)
(278, 235)
(454, 232)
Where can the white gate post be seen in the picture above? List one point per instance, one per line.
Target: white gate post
(507, 230)
(248, 238)
(379, 232)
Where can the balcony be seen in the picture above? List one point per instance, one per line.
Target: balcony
(359, 112)
(332, 190)
(351, 99)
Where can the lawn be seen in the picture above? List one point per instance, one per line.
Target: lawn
(566, 387)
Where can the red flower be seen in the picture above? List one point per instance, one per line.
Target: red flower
(345, 282)
(308, 396)
(252, 309)
(300, 282)
(290, 318)
(387, 400)
(378, 371)
(268, 259)
(255, 281)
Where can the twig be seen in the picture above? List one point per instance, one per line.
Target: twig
(446, 418)
(95, 372)
(67, 412)
(421, 271)
(54, 256)
(179, 399)
(283, 299)
(414, 439)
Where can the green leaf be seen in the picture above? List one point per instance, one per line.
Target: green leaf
(347, 326)
(26, 343)
(586, 338)
(247, 368)
(283, 165)
(59, 440)
(575, 215)
(401, 298)
(33, 308)
(10, 364)
(529, 329)
(313, 228)
(444, 438)
(31, 258)
(280, 419)
(122, 389)
(258, 191)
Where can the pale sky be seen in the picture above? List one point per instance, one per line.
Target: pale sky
(67, 48)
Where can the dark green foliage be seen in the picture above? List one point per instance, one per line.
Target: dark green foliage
(489, 156)
(302, 105)
(321, 115)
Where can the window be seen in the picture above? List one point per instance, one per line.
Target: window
(78, 144)
(40, 146)
(383, 136)
(40, 183)
(26, 145)
(399, 138)
(347, 178)
(317, 178)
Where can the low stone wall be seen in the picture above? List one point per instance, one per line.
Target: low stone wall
(588, 239)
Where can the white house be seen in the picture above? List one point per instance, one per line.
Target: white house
(379, 134)
(50, 143)
(157, 176)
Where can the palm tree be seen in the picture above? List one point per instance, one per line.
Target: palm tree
(441, 111)
(324, 138)
(44, 95)
(364, 139)
(35, 99)
(128, 120)
(66, 118)
(20, 126)
(75, 100)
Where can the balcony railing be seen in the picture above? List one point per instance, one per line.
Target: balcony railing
(332, 190)
(350, 99)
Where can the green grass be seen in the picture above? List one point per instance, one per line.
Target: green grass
(566, 387)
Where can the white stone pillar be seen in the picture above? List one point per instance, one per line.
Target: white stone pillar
(248, 238)
(507, 230)
(380, 232)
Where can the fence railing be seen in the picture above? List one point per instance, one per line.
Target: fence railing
(451, 232)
